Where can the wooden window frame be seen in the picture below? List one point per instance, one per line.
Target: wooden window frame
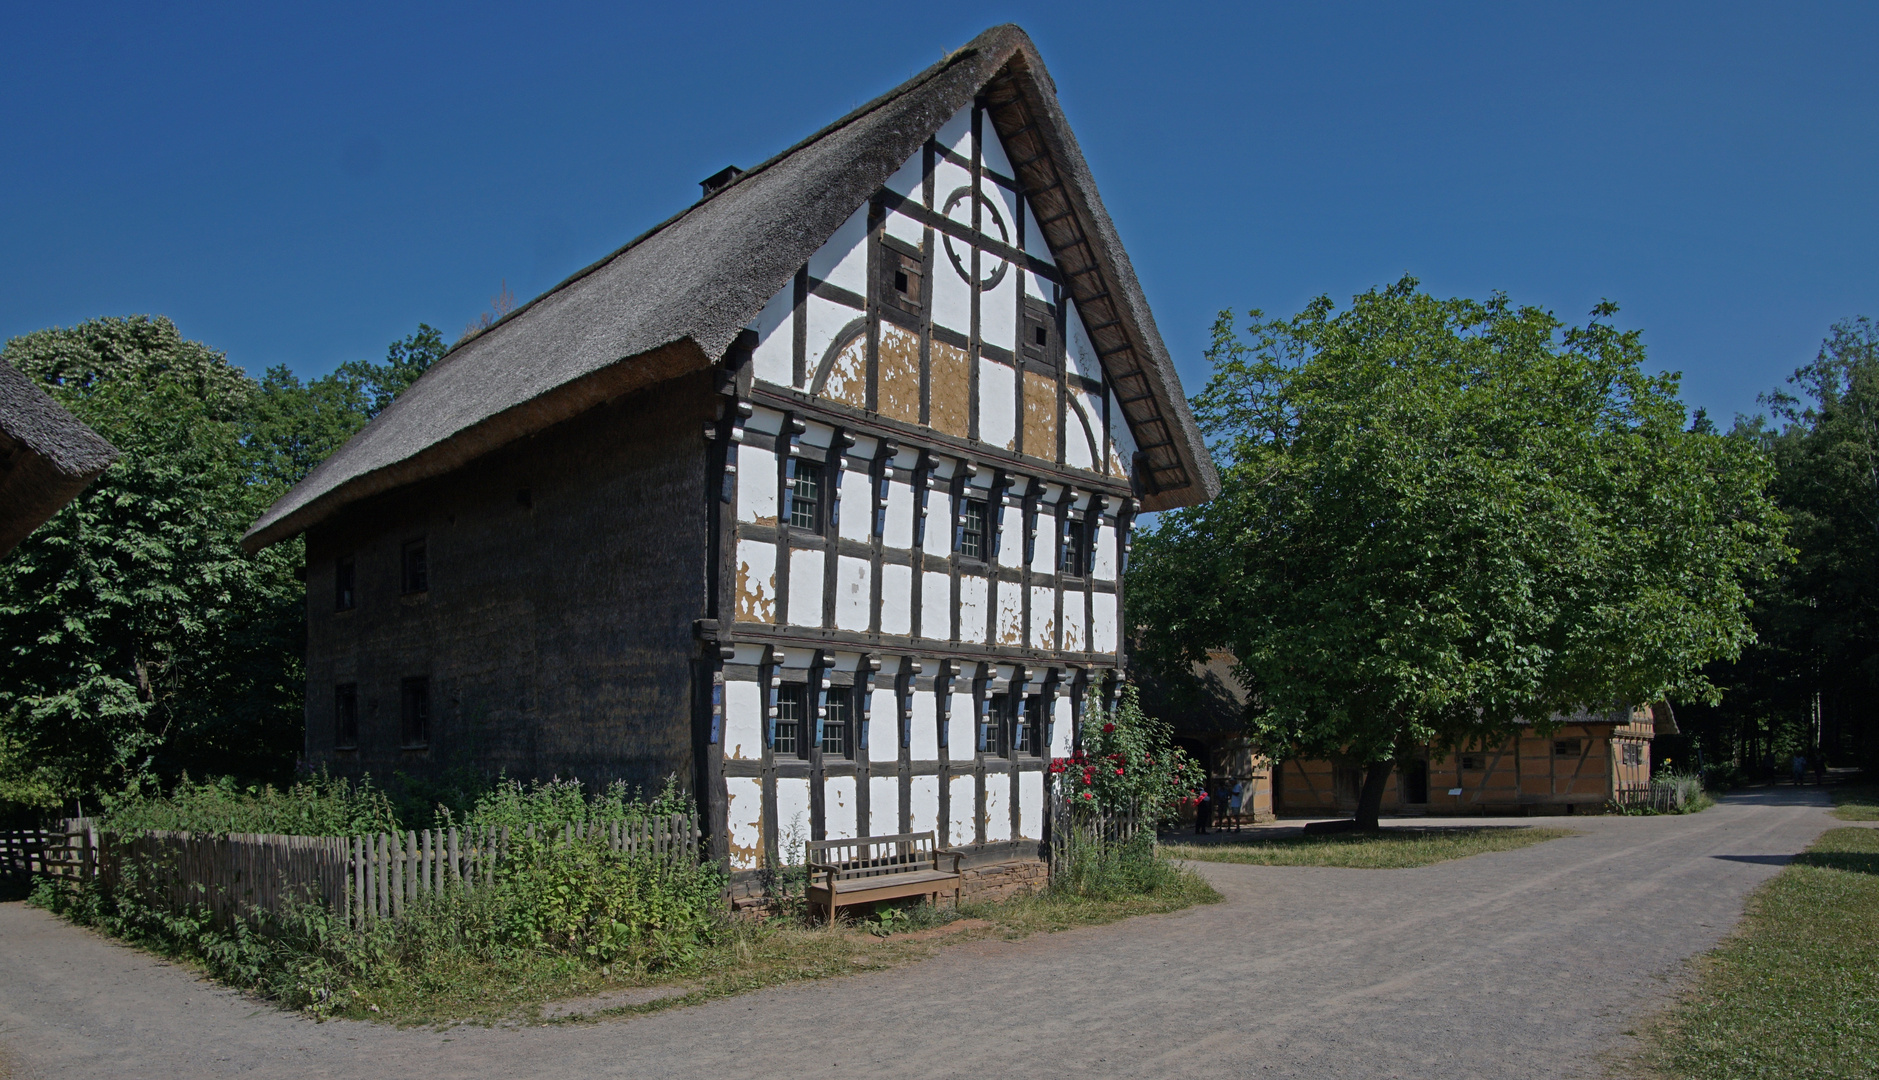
(838, 699)
(345, 583)
(414, 567)
(978, 539)
(992, 736)
(346, 716)
(901, 263)
(817, 502)
(1073, 547)
(796, 695)
(414, 713)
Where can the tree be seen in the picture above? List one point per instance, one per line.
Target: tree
(1813, 675)
(1441, 519)
(133, 630)
(136, 638)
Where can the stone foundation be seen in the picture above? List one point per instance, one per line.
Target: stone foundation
(1002, 880)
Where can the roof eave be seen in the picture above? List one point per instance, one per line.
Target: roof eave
(564, 402)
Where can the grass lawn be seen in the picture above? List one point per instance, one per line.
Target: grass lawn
(1391, 849)
(1794, 993)
(1860, 803)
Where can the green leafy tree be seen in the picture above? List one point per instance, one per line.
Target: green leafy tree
(133, 630)
(1441, 519)
(137, 640)
(1816, 659)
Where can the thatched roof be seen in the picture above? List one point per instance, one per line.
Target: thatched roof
(46, 457)
(674, 299)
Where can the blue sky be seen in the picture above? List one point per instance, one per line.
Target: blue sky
(302, 188)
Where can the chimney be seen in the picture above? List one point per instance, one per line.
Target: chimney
(720, 180)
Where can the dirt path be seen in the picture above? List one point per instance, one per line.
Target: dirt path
(1526, 963)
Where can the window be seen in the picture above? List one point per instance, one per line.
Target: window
(415, 713)
(1566, 748)
(972, 529)
(992, 724)
(901, 278)
(835, 740)
(416, 577)
(1074, 552)
(805, 496)
(1632, 754)
(788, 738)
(343, 599)
(1040, 328)
(346, 716)
(1474, 762)
(1027, 735)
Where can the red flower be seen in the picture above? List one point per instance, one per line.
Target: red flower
(1107, 728)
(1087, 795)
(1118, 772)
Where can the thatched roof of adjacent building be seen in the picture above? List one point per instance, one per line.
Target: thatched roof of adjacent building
(47, 456)
(674, 299)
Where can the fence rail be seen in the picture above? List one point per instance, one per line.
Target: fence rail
(360, 877)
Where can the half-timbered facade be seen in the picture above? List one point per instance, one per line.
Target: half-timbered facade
(1585, 764)
(818, 494)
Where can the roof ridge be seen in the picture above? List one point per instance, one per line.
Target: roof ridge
(964, 52)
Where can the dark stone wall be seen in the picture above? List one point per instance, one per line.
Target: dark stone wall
(565, 574)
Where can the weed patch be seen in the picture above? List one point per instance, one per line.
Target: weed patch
(1390, 849)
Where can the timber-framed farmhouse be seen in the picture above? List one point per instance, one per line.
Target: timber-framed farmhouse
(817, 494)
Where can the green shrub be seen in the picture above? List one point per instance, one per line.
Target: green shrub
(321, 805)
(562, 802)
(1105, 869)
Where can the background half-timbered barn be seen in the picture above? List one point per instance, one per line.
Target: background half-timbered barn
(818, 494)
(1584, 765)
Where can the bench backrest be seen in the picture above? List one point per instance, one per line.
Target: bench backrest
(876, 856)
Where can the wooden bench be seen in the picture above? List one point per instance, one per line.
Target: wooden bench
(874, 868)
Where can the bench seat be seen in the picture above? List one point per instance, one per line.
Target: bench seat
(875, 868)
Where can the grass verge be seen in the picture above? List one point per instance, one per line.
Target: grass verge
(445, 984)
(1794, 993)
(1856, 803)
(1391, 849)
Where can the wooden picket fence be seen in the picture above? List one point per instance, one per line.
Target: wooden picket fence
(1075, 830)
(361, 877)
(391, 870)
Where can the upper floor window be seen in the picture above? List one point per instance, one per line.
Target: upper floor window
(1073, 555)
(415, 576)
(972, 529)
(1027, 735)
(1566, 748)
(415, 713)
(346, 716)
(992, 724)
(835, 726)
(1633, 753)
(1038, 338)
(805, 501)
(901, 277)
(787, 739)
(343, 577)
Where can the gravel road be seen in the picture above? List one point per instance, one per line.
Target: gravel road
(1529, 963)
